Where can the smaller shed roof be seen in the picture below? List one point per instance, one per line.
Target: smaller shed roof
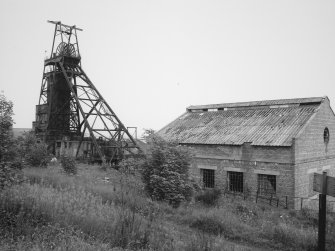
(263, 123)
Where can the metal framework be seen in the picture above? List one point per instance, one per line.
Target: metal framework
(70, 105)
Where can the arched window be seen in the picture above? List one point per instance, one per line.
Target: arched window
(326, 135)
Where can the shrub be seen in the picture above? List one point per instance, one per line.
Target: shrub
(6, 123)
(209, 197)
(10, 168)
(131, 165)
(37, 155)
(69, 165)
(165, 171)
(10, 174)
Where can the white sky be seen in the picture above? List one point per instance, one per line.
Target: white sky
(152, 59)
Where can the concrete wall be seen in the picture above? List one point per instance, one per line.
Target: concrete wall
(311, 153)
(69, 148)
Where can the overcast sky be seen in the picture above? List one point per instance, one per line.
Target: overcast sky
(152, 59)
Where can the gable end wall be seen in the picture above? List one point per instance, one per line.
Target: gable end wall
(311, 153)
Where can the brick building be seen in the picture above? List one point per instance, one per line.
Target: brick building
(265, 147)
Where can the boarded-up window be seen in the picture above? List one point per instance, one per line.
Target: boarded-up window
(266, 184)
(235, 181)
(208, 178)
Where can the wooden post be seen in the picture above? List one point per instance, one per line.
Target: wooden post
(286, 207)
(322, 214)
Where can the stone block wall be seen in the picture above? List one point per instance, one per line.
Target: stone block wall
(312, 154)
(218, 158)
(293, 166)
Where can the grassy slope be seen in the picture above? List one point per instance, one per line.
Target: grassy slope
(102, 210)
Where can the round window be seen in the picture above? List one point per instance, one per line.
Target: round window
(326, 135)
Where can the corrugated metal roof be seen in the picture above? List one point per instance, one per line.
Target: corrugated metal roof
(263, 126)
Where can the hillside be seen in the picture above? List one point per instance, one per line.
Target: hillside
(108, 210)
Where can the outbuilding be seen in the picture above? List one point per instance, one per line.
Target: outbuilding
(269, 148)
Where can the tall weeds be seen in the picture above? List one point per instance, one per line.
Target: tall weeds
(111, 208)
(72, 206)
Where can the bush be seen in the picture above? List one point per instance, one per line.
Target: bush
(6, 123)
(10, 174)
(38, 155)
(165, 171)
(35, 153)
(209, 197)
(10, 167)
(130, 165)
(69, 165)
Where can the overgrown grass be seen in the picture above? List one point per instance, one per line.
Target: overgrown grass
(250, 223)
(107, 209)
(72, 206)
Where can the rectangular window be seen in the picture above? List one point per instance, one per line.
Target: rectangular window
(65, 144)
(208, 177)
(266, 184)
(235, 181)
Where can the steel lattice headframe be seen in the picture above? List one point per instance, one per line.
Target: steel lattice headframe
(72, 106)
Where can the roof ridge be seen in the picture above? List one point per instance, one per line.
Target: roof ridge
(260, 103)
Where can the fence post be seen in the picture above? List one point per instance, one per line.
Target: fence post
(286, 206)
(322, 214)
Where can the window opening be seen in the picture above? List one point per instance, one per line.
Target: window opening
(235, 181)
(326, 135)
(208, 177)
(266, 184)
(58, 143)
(65, 144)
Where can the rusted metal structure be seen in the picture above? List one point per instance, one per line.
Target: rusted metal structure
(70, 107)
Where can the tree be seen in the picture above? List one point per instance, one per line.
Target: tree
(10, 169)
(6, 123)
(35, 153)
(165, 170)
